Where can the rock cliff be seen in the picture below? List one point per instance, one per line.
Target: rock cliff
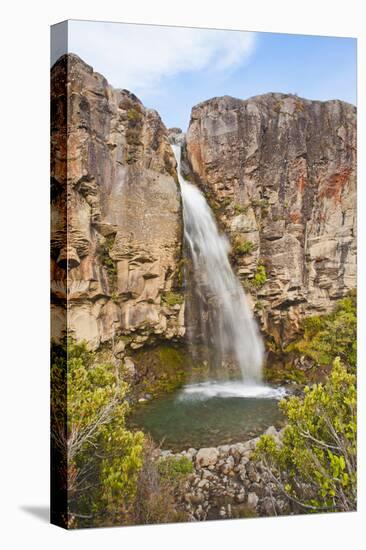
(280, 173)
(116, 214)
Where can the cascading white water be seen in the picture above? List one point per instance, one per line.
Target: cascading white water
(235, 331)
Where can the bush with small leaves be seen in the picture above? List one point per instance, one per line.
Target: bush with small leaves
(315, 465)
(103, 456)
(260, 276)
(328, 336)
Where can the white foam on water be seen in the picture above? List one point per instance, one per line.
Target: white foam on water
(207, 390)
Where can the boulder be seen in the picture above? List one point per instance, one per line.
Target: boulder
(207, 457)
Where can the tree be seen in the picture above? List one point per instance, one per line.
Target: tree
(103, 457)
(315, 465)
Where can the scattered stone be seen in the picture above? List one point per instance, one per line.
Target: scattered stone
(192, 452)
(228, 465)
(240, 497)
(207, 457)
(203, 484)
(252, 500)
(225, 479)
(267, 506)
(251, 472)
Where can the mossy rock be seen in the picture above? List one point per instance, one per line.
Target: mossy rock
(242, 247)
(134, 116)
(103, 252)
(162, 368)
(172, 298)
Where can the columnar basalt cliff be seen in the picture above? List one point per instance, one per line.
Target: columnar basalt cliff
(116, 213)
(280, 173)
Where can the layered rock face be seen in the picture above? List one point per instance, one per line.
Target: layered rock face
(280, 173)
(116, 213)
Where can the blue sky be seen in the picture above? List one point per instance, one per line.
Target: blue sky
(172, 69)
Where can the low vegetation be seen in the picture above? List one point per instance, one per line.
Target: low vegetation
(159, 481)
(103, 251)
(240, 209)
(172, 298)
(315, 465)
(241, 248)
(103, 456)
(326, 337)
(260, 276)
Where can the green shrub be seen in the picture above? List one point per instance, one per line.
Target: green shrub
(103, 251)
(328, 336)
(241, 248)
(315, 466)
(133, 115)
(103, 457)
(174, 469)
(260, 276)
(172, 298)
(239, 209)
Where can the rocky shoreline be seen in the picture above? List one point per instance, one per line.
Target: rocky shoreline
(227, 483)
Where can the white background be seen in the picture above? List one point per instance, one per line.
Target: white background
(24, 273)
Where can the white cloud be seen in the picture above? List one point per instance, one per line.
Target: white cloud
(137, 57)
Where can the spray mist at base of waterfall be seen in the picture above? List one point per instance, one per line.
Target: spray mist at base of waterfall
(209, 389)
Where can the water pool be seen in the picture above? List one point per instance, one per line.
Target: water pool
(210, 414)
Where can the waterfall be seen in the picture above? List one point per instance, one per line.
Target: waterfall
(227, 324)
